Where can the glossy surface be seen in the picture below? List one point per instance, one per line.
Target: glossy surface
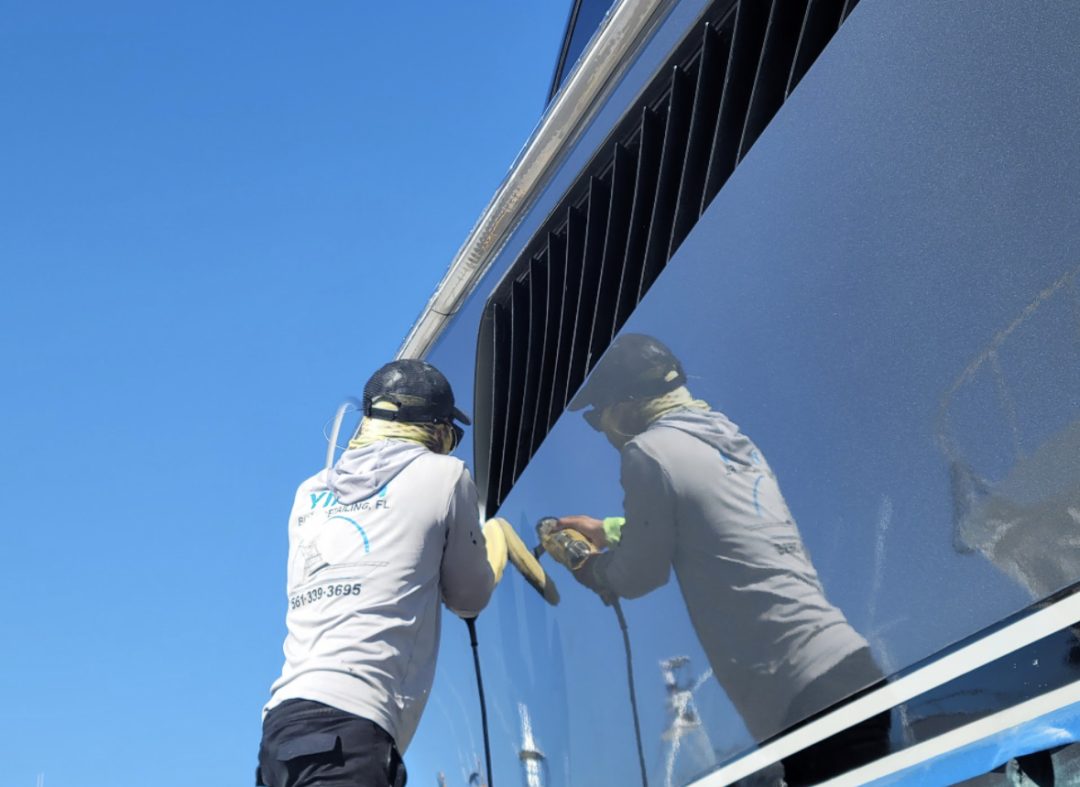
(884, 297)
(585, 18)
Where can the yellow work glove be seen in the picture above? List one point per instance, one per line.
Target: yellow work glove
(496, 547)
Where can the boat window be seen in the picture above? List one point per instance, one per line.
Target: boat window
(581, 24)
(876, 457)
(878, 322)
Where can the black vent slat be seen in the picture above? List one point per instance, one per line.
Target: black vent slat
(519, 350)
(747, 38)
(595, 230)
(575, 248)
(482, 405)
(489, 472)
(556, 272)
(774, 66)
(671, 160)
(650, 143)
(537, 284)
(579, 279)
(710, 83)
(848, 5)
(819, 24)
(611, 265)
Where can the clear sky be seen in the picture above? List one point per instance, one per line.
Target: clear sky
(215, 221)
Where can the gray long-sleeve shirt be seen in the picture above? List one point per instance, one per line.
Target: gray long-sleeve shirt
(700, 497)
(374, 544)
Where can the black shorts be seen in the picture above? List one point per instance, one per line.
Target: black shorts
(306, 743)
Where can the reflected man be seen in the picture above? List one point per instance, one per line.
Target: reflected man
(700, 497)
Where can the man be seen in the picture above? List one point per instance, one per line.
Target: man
(374, 544)
(700, 498)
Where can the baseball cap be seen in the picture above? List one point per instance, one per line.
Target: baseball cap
(635, 366)
(420, 391)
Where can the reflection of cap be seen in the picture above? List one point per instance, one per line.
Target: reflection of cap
(420, 391)
(635, 366)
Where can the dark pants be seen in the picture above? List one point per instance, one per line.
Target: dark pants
(307, 743)
(857, 745)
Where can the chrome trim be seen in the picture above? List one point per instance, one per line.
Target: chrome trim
(946, 743)
(621, 35)
(993, 646)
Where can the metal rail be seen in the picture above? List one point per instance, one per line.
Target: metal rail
(623, 32)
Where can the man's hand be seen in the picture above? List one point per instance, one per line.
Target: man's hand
(592, 529)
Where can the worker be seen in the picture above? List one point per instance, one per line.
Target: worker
(699, 497)
(375, 543)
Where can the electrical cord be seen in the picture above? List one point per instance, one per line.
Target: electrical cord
(633, 695)
(471, 623)
(613, 601)
(331, 439)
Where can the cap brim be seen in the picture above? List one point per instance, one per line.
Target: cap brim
(582, 399)
(460, 416)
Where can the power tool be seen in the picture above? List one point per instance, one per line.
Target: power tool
(567, 546)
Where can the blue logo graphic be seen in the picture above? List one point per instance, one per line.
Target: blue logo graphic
(360, 530)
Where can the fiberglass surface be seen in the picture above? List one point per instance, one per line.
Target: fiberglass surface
(884, 297)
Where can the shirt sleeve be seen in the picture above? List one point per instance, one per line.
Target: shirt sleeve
(466, 577)
(642, 560)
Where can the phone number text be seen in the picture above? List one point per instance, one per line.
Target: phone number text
(322, 592)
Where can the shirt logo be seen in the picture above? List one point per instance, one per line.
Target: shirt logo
(327, 499)
(360, 530)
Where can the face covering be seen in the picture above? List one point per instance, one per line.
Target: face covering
(621, 421)
(442, 438)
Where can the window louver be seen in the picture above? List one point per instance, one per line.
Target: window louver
(579, 279)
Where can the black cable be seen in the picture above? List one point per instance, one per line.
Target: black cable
(633, 695)
(471, 623)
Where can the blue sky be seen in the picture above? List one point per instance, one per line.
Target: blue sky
(215, 221)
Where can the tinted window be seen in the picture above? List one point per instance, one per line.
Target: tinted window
(884, 298)
(584, 20)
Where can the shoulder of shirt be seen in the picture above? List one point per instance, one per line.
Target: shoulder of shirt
(317, 481)
(658, 447)
(649, 455)
(653, 438)
(446, 463)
